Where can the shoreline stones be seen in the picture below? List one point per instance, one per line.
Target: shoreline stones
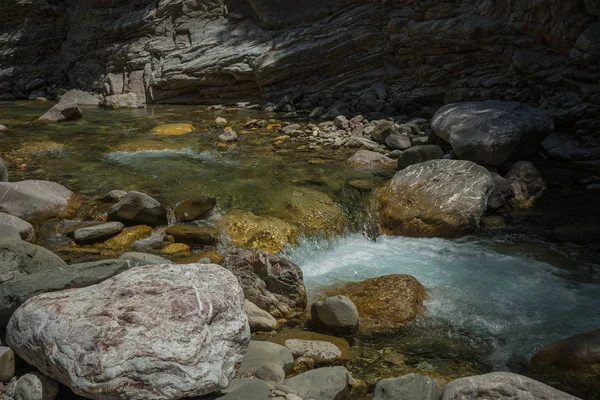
(336, 314)
(419, 154)
(193, 313)
(526, 183)
(126, 100)
(62, 111)
(139, 207)
(322, 352)
(367, 157)
(24, 228)
(407, 387)
(97, 233)
(435, 198)
(329, 383)
(259, 319)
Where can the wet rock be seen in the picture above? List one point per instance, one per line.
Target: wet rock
(61, 112)
(3, 171)
(259, 319)
(330, 383)
(258, 232)
(7, 364)
(501, 195)
(367, 157)
(172, 129)
(271, 372)
(205, 235)
(407, 387)
(139, 207)
(19, 258)
(320, 351)
(575, 352)
(260, 354)
(492, 132)
(126, 100)
(336, 314)
(272, 283)
(33, 386)
(435, 198)
(136, 259)
(419, 154)
(114, 196)
(193, 209)
(178, 306)
(501, 385)
(386, 303)
(97, 233)
(228, 136)
(80, 97)
(55, 278)
(127, 237)
(37, 201)
(527, 184)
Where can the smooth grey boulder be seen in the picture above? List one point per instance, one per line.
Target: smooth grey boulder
(407, 387)
(137, 259)
(382, 129)
(19, 258)
(126, 100)
(395, 140)
(139, 208)
(502, 194)
(114, 196)
(63, 111)
(31, 386)
(7, 364)
(435, 198)
(262, 353)
(244, 389)
(259, 319)
(24, 228)
(500, 386)
(16, 291)
(492, 132)
(526, 182)
(97, 233)
(9, 232)
(272, 372)
(366, 157)
(37, 201)
(336, 314)
(151, 332)
(419, 154)
(330, 383)
(80, 97)
(3, 171)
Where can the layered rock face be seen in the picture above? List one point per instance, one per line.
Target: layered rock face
(211, 50)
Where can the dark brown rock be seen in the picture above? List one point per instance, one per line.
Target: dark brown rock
(193, 209)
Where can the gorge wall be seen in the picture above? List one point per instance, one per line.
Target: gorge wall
(543, 52)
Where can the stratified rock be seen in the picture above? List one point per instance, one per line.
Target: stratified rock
(492, 132)
(7, 364)
(137, 259)
(97, 233)
(3, 171)
(500, 386)
(575, 352)
(193, 209)
(273, 283)
(526, 182)
(205, 235)
(24, 228)
(501, 195)
(60, 112)
(54, 278)
(127, 100)
(322, 352)
(36, 201)
(139, 207)
(367, 157)
(152, 332)
(435, 198)
(19, 258)
(330, 383)
(260, 354)
(336, 314)
(419, 154)
(386, 303)
(80, 97)
(407, 387)
(259, 319)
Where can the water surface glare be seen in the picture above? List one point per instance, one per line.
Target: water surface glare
(513, 302)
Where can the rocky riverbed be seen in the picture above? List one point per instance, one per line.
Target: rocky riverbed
(179, 251)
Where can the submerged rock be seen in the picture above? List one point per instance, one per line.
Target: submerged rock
(368, 157)
(127, 237)
(336, 314)
(25, 229)
(205, 235)
(492, 132)
(385, 303)
(575, 352)
(330, 383)
(193, 209)
(172, 129)
(435, 198)
(526, 183)
(140, 330)
(501, 385)
(37, 201)
(139, 207)
(63, 111)
(407, 387)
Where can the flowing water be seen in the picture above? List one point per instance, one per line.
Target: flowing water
(495, 298)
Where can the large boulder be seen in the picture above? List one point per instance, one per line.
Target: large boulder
(407, 387)
(500, 386)
(492, 132)
(575, 352)
(80, 97)
(273, 283)
(19, 258)
(526, 183)
(15, 292)
(3, 171)
(140, 208)
(126, 100)
(25, 229)
(435, 198)
(419, 154)
(329, 383)
(152, 332)
(36, 201)
(386, 303)
(63, 111)
(336, 314)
